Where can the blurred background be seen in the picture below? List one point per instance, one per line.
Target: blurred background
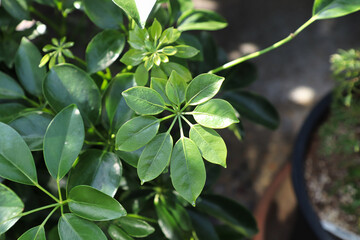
(293, 78)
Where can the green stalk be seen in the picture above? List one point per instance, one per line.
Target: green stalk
(268, 49)
(60, 196)
(171, 126)
(181, 128)
(39, 209)
(33, 103)
(46, 192)
(187, 121)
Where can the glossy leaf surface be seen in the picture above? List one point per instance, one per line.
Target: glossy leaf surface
(117, 233)
(175, 88)
(10, 207)
(63, 141)
(92, 204)
(141, 75)
(9, 88)
(32, 127)
(98, 169)
(187, 170)
(9, 111)
(138, 10)
(27, 61)
(115, 109)
(202, 88)
(104, 49)
(155, 157)
(324, 9)
(210, 143)
(104, 15)
(66, 84)
(131, 158)
(184, 51)
(201, 20)
(144, 100)
(159, 85)
(169, 67)
(230, 212)
(35, 233)
(136, 132)
(75, 228)
(135, 227)
(215, 113)
(16, 162)
(254, 107)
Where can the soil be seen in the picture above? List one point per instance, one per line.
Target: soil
(325, 176)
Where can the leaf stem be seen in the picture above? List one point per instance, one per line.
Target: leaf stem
(32, 102)
(169, 109)
(97, 132)
(167, 117)
(60, 196)
(39, 209)
(95, 143)
(187, 121)
(181, 128)
(268, 49)
(46, 192)
(171, 126)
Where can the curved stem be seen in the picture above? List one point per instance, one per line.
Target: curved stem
(268, 49)
(32, 102)
(39, 209)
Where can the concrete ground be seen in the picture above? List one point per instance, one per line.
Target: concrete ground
(293, 77)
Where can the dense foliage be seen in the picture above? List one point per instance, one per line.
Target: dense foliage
(97, 148)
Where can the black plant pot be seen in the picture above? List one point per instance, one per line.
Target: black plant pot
(300, 150)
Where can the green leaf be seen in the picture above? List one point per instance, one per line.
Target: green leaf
(104, 49)
(74, 228)
(135, 227)
(187, 170)
(115, 110)
(159, 85)
(168, 224)
(155, 30)
(203, 227)
(27, 61)
(144, 100)
(35, 233)
(230, 212)
(193, 41)
(202, 88)
(11, 207)
(137, 38)
(63, 141)
(17, 8)
(141, 75)
(44, 60)
(254, 107)
(169, 50)
(240, 76)
(99, 169)
(170, 35)
(215, 113)
(138, 10)
(325, 9)
(184, 51)
(104, 15)
(66, 84)
(9, 88)
(9, 111)
(131, 158)
(201, 20)
(155, 157)
(210, 143)
(32, 127)
(136, 133)
(117, 233)
(133, 57)
(92, 204)
(184, 72)
(175, 88)
(16, 162)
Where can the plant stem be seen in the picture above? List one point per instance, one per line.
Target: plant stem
(80, 61)
(268, 49)
(46, 192)
(187, 121)
(167, 117)
(142, 218)
(169, 109)
(49, 215)
(171, 126)
(97, 132)
(60, 196)
(95, 143)
(32, 102)
(181, 128)
(39, 209)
